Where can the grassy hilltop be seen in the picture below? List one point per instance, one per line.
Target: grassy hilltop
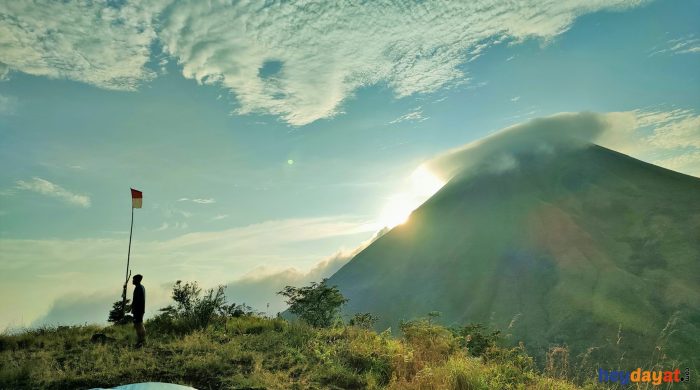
(204, 342)
(252, 352)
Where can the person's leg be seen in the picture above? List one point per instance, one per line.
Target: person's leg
(140, 333)
(140, 330)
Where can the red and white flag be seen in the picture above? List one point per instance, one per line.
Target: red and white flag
(136, 199)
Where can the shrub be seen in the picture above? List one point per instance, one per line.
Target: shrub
(194, 310)
(431, 342)
(476, 338)
(363, 320)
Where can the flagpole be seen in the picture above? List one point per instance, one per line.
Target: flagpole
(128, 258)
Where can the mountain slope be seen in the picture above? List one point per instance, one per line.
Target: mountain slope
(587, 248)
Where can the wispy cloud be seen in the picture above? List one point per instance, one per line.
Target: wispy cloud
(219, 217)
(48, 188)
(515, 99)
(198, 200)
(322, 52)
(415, 115)
(678, 128)
(685, 45)
(163, 226)
(48, 38)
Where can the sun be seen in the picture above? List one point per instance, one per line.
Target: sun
(398, 209)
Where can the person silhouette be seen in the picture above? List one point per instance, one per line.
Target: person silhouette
(138, 308)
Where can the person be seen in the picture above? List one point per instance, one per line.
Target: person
(138, 308)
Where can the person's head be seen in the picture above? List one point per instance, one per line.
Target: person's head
(137, 279)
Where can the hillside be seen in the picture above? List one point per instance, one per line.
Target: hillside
(586, 248)
(251, 352)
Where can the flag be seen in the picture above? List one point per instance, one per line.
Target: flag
(136, 199)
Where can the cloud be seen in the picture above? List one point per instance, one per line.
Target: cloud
(325, 51)
(48, 188)
(103, 43)
(207, 257)
(515, 99)
(685, 45)
(670, 139)
(198, 200)
(415, 115)
(295, 60)
(219, 217)
(257, 289)
(499, 152)
(677, 128)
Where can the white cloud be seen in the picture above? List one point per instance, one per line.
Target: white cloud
(296, 60)
(219, 217)
(515, 99)
(96, 42)
(679, 128)
(328, 50)
(48, 188)
(198, 200)
(670, 139)
(684, 45)
(499, 151)
(415, 115)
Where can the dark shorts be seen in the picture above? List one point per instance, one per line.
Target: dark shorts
(138, 318)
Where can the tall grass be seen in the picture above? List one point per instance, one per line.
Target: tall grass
(256, 352)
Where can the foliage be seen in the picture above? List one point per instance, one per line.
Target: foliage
(363, 320)
(195, 311)
(318, 304)
(118, 314)
(477, 339)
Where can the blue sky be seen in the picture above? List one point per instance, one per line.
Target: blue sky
(269, 139)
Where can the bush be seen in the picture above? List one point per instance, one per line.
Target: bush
(477, 339)
(363, 320)
(431, 342)
(195, 311)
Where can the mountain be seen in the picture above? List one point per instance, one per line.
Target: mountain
(585, 247)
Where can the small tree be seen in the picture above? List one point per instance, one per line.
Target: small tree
(477, 339)
(363, 320)
(117, 314)
(318, 304)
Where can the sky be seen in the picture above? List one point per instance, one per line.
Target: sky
(274, 140)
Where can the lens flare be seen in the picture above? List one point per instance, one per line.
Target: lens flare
(398, 209)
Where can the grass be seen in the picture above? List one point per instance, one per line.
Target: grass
(253, 352)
